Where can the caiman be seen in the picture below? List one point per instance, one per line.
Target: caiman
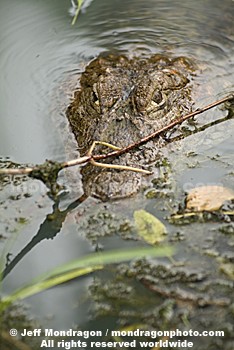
(121, 100)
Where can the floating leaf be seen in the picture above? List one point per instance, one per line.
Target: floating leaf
(149, 227)
(208, 198)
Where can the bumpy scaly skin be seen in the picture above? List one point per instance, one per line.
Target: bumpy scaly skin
(121, 100)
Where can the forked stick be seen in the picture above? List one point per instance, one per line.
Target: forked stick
(48, 171)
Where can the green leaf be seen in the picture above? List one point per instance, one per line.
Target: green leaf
(149, 227)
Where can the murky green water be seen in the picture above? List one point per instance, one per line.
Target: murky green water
(40, 54)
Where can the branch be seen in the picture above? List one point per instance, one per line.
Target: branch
(162, 130)
(48, 171)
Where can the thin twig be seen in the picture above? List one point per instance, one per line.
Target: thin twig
(78, 161)
(118, 151)
(162, 130)
(113, 166)
(17, 171)
(28, 170)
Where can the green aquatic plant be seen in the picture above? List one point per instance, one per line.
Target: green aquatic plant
(81, 267)
(78, 7)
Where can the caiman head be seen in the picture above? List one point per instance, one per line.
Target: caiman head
(120, 101)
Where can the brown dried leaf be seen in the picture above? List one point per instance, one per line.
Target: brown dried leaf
(208, 198)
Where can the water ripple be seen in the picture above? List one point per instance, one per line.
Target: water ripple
(40, 51)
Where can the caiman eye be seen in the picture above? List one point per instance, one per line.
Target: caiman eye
(157, 98)
(158, 101)
(94, 96)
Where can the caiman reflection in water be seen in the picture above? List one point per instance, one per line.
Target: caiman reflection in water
(120, 101)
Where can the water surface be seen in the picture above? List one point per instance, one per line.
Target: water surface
(41, 56)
